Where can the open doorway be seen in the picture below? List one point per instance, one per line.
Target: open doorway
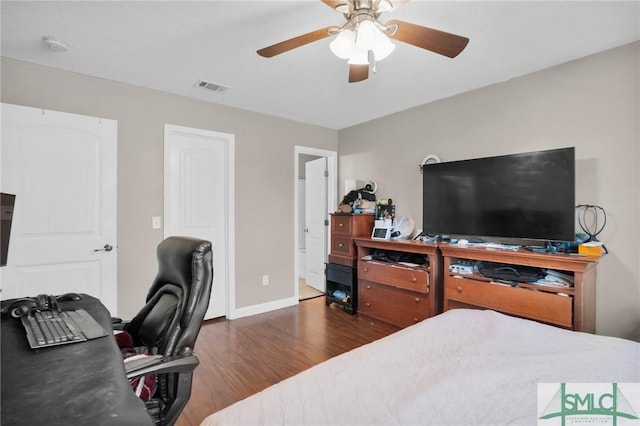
(317, 195)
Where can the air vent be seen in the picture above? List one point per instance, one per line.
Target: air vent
(211, 86)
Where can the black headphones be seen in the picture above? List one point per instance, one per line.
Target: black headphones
(19, 307)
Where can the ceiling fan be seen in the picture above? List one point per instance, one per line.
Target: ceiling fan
(363, 40)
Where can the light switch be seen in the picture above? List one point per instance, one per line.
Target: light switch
(156, 222)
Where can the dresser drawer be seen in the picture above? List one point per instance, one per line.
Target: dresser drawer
(342, 246)
(341, 225)
(538, 305)
(397, 276)
(398, 307)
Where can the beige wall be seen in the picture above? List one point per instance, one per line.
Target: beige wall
(591, 103)
(264, 173)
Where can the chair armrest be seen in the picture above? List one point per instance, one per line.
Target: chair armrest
(119, 324)
(158, 365)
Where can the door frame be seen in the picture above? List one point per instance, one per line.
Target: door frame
(332, 200)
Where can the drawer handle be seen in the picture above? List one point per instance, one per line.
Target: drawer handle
(368, 286)
(341, 225)
(366, 269)
(414, 279)
(340, 245)
(459, 289)
(368, 304)
(415, 320)
(417, 300)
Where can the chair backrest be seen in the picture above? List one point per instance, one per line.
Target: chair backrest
(171, 319)
(178, 298)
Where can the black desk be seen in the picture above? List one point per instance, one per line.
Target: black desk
(75, 384)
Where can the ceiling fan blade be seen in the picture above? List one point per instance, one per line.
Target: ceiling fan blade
(427, 38)
(358, 73)
(292, 43)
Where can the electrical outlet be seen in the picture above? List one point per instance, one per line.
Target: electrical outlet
(265, 280)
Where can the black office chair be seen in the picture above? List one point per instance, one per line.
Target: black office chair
(170, 322)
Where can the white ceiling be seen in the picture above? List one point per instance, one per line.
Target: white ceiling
(170, 45)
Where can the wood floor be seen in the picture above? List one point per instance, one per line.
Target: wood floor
(241, 357)
(306, 291)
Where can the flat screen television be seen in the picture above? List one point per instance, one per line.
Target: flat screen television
(526, 196)
(7, 202)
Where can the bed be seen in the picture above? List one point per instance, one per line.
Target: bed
(462, 367)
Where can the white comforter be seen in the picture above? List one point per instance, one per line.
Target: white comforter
(463, 367)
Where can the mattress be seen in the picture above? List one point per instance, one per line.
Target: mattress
(462, 367)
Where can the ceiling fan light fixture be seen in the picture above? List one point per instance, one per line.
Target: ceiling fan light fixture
(355, 44)
(383, 48)
(367, 34)
(342, 46)
(359, 56)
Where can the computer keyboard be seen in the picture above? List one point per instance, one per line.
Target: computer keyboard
(53, 327)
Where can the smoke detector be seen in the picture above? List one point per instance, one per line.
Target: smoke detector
(215, 87)
(55, 44)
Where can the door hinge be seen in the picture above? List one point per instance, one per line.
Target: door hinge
(326, 222)
(326, 173)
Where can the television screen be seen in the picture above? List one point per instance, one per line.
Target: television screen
(521, 196)
(6, 216)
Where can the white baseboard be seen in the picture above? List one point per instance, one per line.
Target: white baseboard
(262, 308)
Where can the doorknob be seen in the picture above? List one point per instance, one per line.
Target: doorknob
(306, 230)
(106, 247)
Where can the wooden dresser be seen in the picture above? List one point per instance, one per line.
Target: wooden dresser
(571, 308)
(395, 292)
(344, 228)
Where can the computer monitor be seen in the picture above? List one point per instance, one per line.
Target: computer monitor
(7, 201)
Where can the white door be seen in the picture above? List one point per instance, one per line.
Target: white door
(315, 220)
(63, 169)
(198, 198)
